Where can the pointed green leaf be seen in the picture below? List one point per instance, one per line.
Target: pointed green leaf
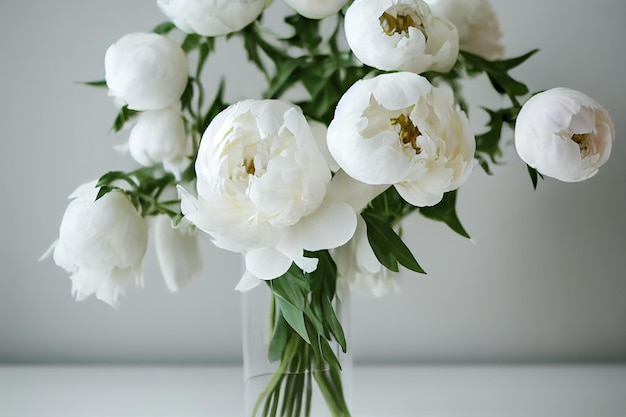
(330, 319)
(99, 83)
(387, 245)
(329, 355)
(294, 316)
(191, 42)
(534, 176)
(164, 28)
(104, 190)
(445, 212)
(280, 336)
(124, 115)
(112, 176)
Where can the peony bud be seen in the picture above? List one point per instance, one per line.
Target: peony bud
(316, 9)
(146, 71)
(564, 134)
(478, 25)
(211, 17)
(101, 244)
(158, 136)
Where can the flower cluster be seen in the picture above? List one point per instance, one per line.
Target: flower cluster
(311, 193)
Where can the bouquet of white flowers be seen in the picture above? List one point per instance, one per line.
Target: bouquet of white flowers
(359, 126)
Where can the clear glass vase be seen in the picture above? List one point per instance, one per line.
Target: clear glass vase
(303, 388)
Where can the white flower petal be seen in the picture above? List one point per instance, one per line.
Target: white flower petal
(247, 282)
(267, 263)
(330, 226)
(355, 193)
(177, 252)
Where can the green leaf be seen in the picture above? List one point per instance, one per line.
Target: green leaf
(99, 83)
(329, 355)
(294, 316)
(104, 190)
(284, 77)
(280, 336)
(164, 28)
(445, 211)
(306, 32)
(323, 280)
(387, 245)
(252, 48)
(330, 319)
(125, 114)
(290, 291)
(391, 206)
(110, 177)
(497, 71)
(509, 64)
(292, 286)
(187, 96)
(534, 176)
(191, 42)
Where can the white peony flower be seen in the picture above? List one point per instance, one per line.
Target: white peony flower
(159, 137)
(177, 252)
(101, 244)
(316, 9)
(146, 71)
(564, 134)
(212, 17)
(357, 263)
(261, 183)
(477, 23)
(398, 129)
(401, 35)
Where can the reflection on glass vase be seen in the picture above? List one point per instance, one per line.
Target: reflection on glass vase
(291, 383)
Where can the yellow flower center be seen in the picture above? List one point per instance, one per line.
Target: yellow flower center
(248, 164)
(582, 139)
(400, 23)
(408, 131)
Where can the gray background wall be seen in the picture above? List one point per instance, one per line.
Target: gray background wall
(544, 280)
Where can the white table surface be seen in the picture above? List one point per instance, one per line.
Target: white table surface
(429, 391)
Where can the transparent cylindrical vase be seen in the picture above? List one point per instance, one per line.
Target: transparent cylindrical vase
(306, 389)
